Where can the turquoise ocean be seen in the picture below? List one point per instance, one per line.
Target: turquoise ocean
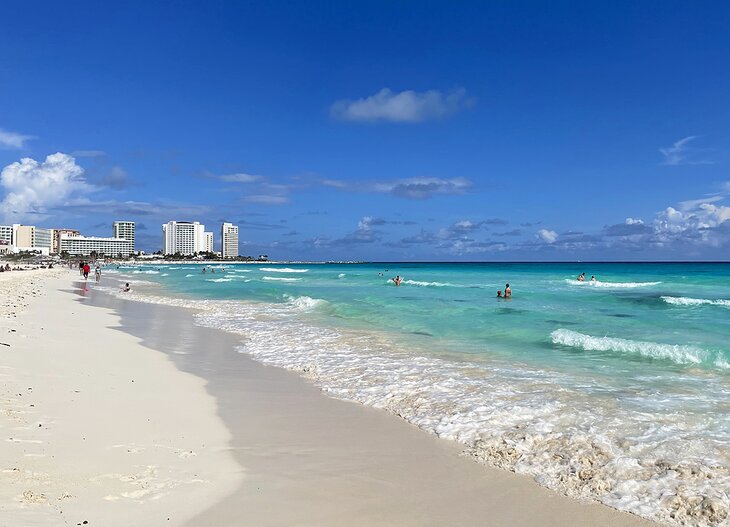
(616, 390)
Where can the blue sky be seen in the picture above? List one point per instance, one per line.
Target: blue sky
(377, 131)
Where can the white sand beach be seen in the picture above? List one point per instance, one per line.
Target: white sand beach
(153, 425)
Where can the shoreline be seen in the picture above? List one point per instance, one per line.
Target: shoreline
(337, 461)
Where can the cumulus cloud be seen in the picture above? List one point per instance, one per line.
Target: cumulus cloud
(13, 140)
(547, 235)
(405, 107)
(32, 188)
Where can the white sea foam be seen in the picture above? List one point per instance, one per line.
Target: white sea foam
(428, 284)
(282, 270)
(574, 436)
(189, 275)
(684, 301)
(148, 271)
(280, 279)
(304, 303)
(341, 275)
(611, 285)
(165, 274)
(241, 270)
(219, 280)
(681, 354)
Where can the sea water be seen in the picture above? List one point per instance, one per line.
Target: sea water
(616, 390)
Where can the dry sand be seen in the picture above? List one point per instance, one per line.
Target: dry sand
(116, 452)
(95, 427)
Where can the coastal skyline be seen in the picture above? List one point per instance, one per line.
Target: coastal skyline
(376, 131)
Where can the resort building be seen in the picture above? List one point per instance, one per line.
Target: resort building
(124, 229)
(30, 237)
(209, 242)
(57, 233)
(229, 240)
(86, 245)
(6, 235)
(183, 237)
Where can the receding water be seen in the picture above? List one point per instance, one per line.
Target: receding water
(617, 390)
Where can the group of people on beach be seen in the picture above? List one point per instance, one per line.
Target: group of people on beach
(582, 278)
(5, 268)
(85, 269)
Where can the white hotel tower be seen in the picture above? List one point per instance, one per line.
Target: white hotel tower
(183, 237)
(229, 240)
(124, 230)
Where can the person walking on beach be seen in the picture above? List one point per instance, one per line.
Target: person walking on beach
(86, 270)
(97, 273)
(81, 268)
(507, 291)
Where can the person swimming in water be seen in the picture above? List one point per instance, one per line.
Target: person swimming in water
(593, 279)
(397, 280)
(499, 294)
(507, 291)
(581, 277)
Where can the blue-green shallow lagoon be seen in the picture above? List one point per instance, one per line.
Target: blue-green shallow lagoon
(617, 390)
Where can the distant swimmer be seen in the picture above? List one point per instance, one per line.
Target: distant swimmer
(126, 288)
(203, 269)
(397, 280)
(212, 271)
(507, 291)
(593, 278)
(499, 294)
(581, 277)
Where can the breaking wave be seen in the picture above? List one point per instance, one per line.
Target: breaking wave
(280, 279)
(684, 301)
(282, 270)
(611, 285)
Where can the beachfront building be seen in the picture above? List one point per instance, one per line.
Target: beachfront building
(183, 237)
(229, 240)
(56, 242)
(125, 230)
(6, 235)
(88, 245)
(209, 242)
(30, 238)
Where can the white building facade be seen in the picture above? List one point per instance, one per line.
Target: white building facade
(6, 235)
(183, 237)
(125, 230)
(209, 242)
(85, 245)
(57, 233)
(229, 240)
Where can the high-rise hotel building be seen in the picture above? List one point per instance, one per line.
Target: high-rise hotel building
(124, 230)
(183, 237)
(229, 240)
(209, 242)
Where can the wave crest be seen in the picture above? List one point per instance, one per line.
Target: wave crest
(685, 301)
(611, 285)
(282, 270)
(678, 353)
(280, 279)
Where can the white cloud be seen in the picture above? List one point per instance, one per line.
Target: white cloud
(267, 199)
(691, 204)
(423, 187)
(13, 140)
(680, 153)
(404, 107)
(32, 187)
(634, 221)
(241, 178)
(547, 235)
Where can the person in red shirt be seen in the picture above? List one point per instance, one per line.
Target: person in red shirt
(86, 271)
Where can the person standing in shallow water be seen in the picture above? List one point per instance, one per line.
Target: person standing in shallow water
(507, 291)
